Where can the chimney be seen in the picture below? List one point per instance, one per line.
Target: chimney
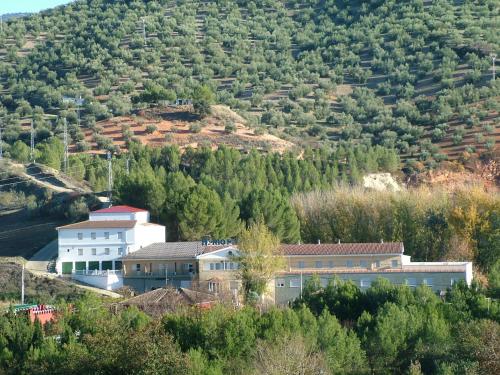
(338, 241)
(381, 240)
(319, 241)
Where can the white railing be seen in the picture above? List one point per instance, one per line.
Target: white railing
(97, 272)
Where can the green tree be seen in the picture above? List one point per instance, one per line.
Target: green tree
(203, 98)
(202, 214)
(259, 257)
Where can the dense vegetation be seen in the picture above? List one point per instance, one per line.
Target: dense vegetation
(204, 192)
(384, 330)
(433, 224)
(405, 75)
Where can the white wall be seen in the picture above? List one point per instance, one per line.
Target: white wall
(141, 217)
(132, 239)
(69, 244)
(107, 282)
(144, 235)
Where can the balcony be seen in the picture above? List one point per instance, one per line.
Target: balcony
(97, 272)
(160, 275)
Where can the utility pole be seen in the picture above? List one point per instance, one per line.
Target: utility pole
(110, 179)
(78, 104)
(65, 146)
(1, 23)
(22, 284)
(493, 58)
(144, 30)
(32, 143)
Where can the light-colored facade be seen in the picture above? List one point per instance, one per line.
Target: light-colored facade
(213, 268)
(182, 264)
(95, 247)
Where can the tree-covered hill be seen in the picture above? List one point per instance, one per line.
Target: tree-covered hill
(412, 75)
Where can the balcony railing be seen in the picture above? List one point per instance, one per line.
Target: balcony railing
(97, 272)
(160, 274)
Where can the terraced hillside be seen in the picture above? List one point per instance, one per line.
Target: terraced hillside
(413, 75)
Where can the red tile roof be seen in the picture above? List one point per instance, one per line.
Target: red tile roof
(100, 224)
(343, 249)
(118, 210)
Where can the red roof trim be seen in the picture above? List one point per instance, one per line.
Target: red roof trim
(118, 210)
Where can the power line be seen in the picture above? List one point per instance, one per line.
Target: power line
(33, 180)
(144, 31)
(493, 58)
(65, 136)
(110, 178)
(1, 146)
(32, 142)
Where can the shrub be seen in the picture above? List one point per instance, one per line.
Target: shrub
(195, 127)
(150, 129)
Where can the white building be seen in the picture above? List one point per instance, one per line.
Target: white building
(91, 250)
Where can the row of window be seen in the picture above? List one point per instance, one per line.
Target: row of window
(221, 266)
(348, 264)
(364, 283)
(106, 251)
(106, 236)
(163, 267)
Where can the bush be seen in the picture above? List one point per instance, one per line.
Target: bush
(150, 129)
(195, 128)
(230, 127)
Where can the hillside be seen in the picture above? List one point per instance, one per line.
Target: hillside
(413, 75)
(34, 201)
(178, 126)
(38, 289)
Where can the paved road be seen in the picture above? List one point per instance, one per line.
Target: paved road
(46, 253)
(41, 259)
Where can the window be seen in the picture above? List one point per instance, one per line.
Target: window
(106, 235)
(218, 266)
(349, 264)
(188, 267)
(427, 281)
(92, 236)
(294, 283)
(377, 263)
(80, 251)
(106, 251)
(319, 264)
(120, 251)
(280, 283)
(330, 263)
(411, 281)
(94, 251)
(138, 267)
(301, 264)
(363, 263)
(453, 281)
(394, 263)
(80, 236)
(120, 235)
(365, 283)
(212, 266)
(213, 286)
(323, 282)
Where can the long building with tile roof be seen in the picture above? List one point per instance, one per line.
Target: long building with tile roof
(214, 268)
